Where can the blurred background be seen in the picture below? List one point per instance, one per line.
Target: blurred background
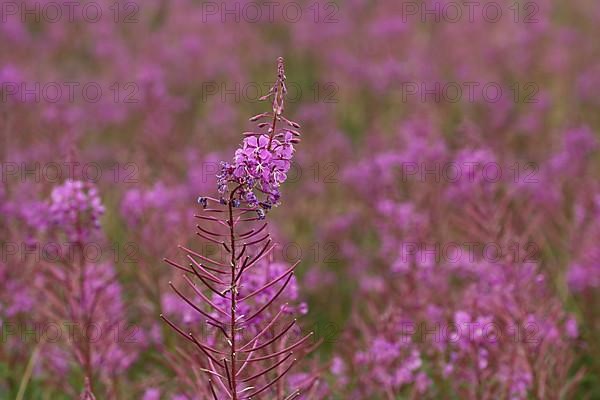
(444, 199)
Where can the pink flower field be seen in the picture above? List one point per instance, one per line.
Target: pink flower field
(315, 200)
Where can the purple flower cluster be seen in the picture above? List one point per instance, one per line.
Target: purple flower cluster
(76, 209)
(16, 296)
(393, 363)
(582, 277)
(260, 165)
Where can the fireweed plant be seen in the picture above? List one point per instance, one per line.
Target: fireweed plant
(250, 347)
(86, 293)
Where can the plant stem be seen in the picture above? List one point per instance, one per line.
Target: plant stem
(27, 373)
(272, 133)
(233, 297)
